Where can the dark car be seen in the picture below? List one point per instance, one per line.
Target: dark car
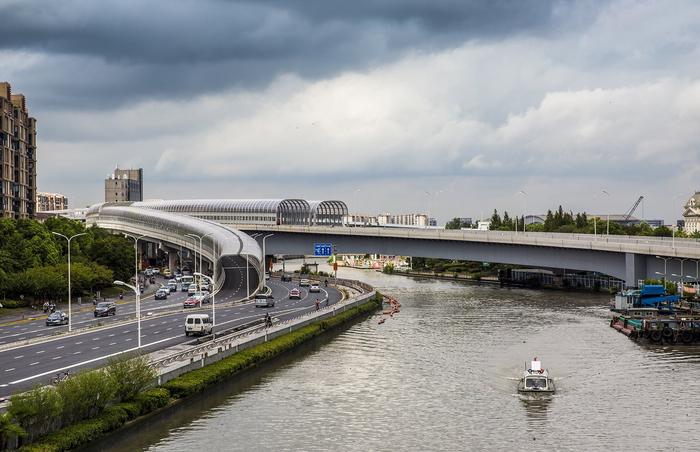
(162, 293)
(286, 277)
(57, 318)
(105, 308)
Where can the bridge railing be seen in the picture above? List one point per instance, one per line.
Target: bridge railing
(219, 348)
(667, 246)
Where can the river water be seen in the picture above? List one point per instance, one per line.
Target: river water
(441, 374)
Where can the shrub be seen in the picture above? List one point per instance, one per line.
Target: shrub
(15, 303)
(85, 395)
(129, 375)
(37, 411)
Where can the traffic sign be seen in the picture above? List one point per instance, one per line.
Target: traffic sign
(323, 249)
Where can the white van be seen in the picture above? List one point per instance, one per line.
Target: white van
(198, 324)
(185, 282)
(192, 289)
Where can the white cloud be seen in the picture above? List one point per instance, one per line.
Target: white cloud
(616, 106)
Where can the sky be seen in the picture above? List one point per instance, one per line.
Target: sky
(450, 107)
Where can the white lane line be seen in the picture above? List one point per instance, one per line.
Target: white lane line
(110, 335)
(20, 356)
(95, 348)
(127, 331)
(112, 343)
(79, 342)
(60, 347)
(169, 329)
(96, 339)
(56, 357)
(128, 340)
(40, 352)
(156, 332)
(34, 364)
(10, 369)
(77, 353)
(90, 361)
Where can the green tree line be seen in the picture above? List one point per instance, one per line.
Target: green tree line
(568, 222)
(33, 261)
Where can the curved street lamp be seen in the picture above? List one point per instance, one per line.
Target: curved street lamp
(68, 239)
(138, 306)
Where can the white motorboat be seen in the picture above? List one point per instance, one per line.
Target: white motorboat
(536, 379)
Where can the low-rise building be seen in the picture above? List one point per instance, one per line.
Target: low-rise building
(50, 201)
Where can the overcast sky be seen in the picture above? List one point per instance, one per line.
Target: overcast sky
(448, 106)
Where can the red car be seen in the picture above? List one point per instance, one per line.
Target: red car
(295, 293)
(192, 303)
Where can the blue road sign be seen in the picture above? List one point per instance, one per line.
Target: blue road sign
(323, 249)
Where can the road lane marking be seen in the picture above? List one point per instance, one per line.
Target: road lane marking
(96, 339)
(77, 353)
(95, 348)
(82, 363)
(20, 356)
(10, 369)
(112, 343)
(56, 357)
(40, 351)
(60, 347)
(79, 342)
(34, 364)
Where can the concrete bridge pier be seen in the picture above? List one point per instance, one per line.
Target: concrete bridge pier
(635, 269)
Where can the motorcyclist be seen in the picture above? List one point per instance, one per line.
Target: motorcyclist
(46, 306)
(121, 295)
(268, 320)
(325, 281)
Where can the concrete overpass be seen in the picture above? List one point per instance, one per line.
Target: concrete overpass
(235, 257)
(629, 258)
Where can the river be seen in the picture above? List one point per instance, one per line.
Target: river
(440, 376)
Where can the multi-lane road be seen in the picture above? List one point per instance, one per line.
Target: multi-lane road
(162, 325)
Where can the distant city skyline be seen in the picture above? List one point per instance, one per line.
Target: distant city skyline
(450, 109)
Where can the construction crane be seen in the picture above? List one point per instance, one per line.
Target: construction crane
(634, 207)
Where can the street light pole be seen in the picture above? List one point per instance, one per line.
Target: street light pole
(137, 290)
(524, 194)
(196, 237)
(138, 306)
(213, 300)
(68, 239)
(264, 257)
(664, 259)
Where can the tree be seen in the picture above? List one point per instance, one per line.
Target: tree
(495, 220)
(454, 223)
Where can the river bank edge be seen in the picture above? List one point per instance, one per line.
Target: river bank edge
(156, 400)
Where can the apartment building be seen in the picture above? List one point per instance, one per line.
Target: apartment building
(124, 185)
(17, 156)
(50, 201)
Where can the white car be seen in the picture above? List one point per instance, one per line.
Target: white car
(198, 324)
(191, 289)
(304, 283)
(314, 288)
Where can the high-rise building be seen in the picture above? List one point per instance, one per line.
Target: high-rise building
(17, 156)
(124, 185)
(50, 201)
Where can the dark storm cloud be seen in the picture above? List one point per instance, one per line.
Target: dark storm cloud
(101, 50)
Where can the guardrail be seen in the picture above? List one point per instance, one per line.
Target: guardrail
(222, 347)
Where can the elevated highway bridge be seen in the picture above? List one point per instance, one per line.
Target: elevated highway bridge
(628, 258)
